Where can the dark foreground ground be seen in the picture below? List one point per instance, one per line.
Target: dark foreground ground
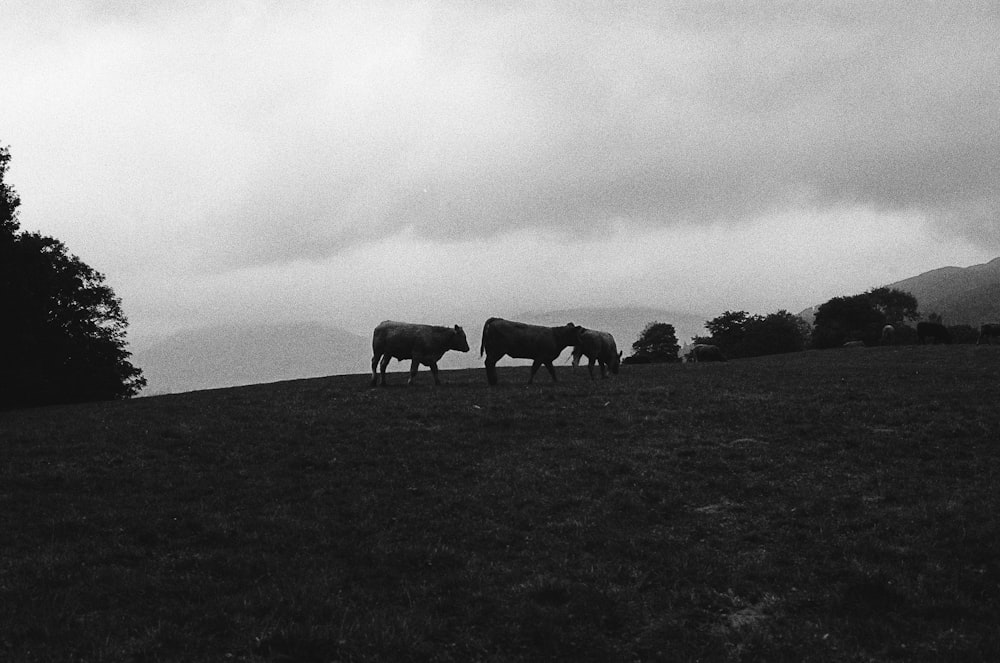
(828, 506)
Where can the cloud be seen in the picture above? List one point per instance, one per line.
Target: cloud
(703, 269)
(244, 135)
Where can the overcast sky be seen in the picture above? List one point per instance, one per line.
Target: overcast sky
(246, 161)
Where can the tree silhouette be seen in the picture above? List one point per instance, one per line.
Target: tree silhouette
(656, 343)
(727, 330)
(64, 336)
(740, 334)
(895, 305)
(861, 317)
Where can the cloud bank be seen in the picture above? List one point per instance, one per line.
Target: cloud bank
(245, 137)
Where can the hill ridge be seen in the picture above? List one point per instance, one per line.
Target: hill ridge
(960, 295)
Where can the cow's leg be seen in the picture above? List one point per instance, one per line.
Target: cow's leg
(414, 365)
(375, 370)
(538, 363)
(491, 368)
(552, 370)
(604, 369)
(385, 362)
(590, 367)
(434, 371)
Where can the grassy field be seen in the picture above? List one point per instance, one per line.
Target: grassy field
(825, 506)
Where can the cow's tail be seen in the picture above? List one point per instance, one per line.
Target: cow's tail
(486, 329)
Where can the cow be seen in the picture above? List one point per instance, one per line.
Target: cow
(704, 352)
(988, 332)
(422, 344)
(523, 341)
(888, 333)
(932, 330)
(599, 346)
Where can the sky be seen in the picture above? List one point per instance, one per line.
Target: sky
(229, 162)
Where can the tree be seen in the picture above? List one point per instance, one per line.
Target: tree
(896, 306)
(776, 333)
(656, 343)
(861, 317)
(64, 336)
(739, 334)
(727, 330)
(845, 319)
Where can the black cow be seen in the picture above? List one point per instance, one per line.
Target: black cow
(935, 331)
(523, 341)
(423, 344)
(988, 332)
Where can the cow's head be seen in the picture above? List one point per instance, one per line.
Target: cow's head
(616, 363)
(458, 341)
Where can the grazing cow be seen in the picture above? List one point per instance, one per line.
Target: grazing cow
(704, 352)
(517, 339)
(599, 346)
(932, 330)
(888, 333)
(988, 332)
(423, 344)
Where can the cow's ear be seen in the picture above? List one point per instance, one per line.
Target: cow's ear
(457, 328)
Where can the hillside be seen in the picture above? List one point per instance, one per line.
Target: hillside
(213, 357)
(675, 512)
(969, 295)
(962, 295)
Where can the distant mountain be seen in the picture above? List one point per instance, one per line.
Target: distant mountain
(961, 295)
(625, 323)
(228, 356)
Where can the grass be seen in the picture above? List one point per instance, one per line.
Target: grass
(821, 506)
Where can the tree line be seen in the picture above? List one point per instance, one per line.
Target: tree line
(855, 318)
